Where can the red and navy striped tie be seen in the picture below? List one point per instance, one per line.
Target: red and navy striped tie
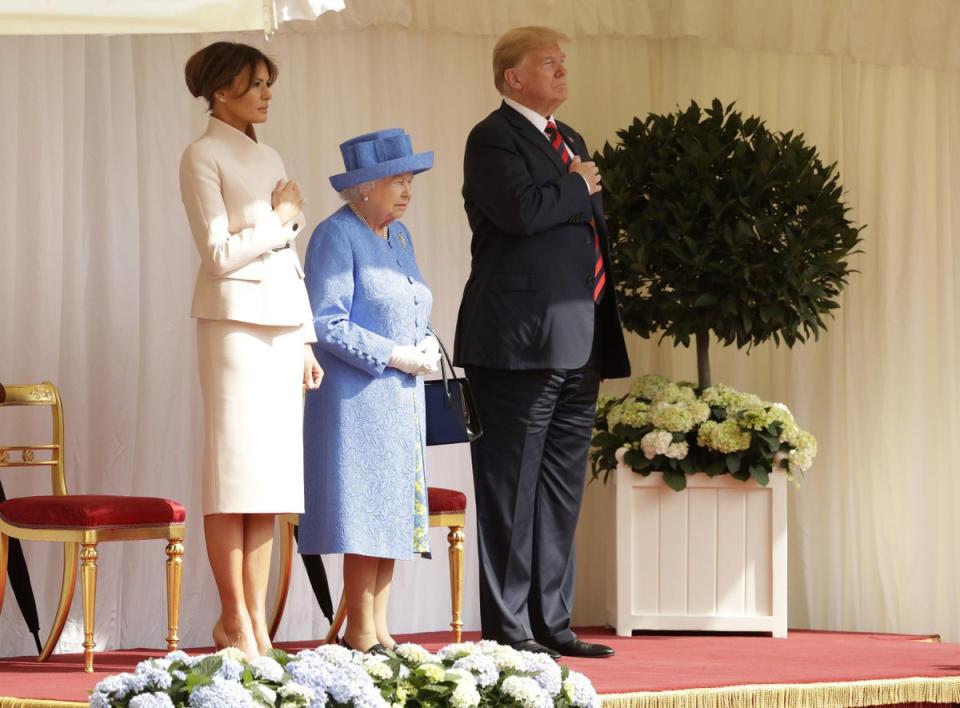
(599, 276)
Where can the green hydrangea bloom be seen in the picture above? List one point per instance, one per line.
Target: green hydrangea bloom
(648, 386)
(673, 393)
(725, 437)
(636, 414)
(675, 417)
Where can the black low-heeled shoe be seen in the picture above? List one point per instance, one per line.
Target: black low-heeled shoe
(377, 648)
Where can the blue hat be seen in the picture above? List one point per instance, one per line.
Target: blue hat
(379, 154)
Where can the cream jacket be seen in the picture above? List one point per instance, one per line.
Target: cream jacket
(246, 274)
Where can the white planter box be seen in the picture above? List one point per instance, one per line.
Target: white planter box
(710, 558)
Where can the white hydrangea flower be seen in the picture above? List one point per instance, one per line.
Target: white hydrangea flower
(334, 654)
(655, 443)
(413, 654)
(267, 668)
(505, 658)
(459, 675)
(452, 652)
(294, 695)
(378, 670)
(677, 450)
(527, 692)
(433, 672)
(232, 653)
(465, 695)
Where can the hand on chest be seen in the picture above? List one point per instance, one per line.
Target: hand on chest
(246, 192)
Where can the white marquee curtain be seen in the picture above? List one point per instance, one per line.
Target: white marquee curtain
(97, 268)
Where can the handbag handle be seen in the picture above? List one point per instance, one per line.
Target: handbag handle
(444, 363)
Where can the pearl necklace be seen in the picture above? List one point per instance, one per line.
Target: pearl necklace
(360, 216)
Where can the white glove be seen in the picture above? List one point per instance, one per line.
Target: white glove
(429, 346)
(409, 360)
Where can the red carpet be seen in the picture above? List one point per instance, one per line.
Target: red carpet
(648, 663)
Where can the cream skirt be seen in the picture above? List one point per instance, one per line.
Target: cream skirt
(251, 377)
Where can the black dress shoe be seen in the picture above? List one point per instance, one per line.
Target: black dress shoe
(583, 650)
(534, 646)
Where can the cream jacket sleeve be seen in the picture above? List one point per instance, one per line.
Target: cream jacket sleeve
(222, 251)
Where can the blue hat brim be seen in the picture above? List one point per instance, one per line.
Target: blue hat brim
(420, 162)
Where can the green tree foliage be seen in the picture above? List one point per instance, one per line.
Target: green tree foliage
(720, 225)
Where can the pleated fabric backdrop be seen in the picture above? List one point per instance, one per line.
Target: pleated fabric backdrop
(97, 268)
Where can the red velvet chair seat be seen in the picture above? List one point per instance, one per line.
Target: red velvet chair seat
(446, 501)
(90, 511)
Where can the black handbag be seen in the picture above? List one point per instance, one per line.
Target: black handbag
(451, 411)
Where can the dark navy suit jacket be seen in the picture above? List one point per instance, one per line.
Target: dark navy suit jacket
(528, 303)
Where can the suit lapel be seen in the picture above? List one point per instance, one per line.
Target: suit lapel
(526, 130)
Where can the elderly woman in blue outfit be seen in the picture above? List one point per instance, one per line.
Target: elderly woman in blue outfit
(364, 428)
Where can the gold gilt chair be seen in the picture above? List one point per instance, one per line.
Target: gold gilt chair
(80, 522)
(448, 507)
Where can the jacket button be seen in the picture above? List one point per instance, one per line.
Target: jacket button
(296, 226)
(588, 281)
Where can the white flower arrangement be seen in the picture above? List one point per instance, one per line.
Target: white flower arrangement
(461, 675)
(667, 427)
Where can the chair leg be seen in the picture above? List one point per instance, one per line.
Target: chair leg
(338, 618)
(67, 587)
(88, 590)
(174, 573)
(4, 550)
(283, 581)
(455, 553)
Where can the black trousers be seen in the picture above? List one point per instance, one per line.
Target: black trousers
(528, 473)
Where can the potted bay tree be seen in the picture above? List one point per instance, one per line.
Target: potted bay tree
(721, 230)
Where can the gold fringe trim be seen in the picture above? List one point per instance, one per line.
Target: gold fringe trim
(845, 694)
(799, 695)
(6, 702)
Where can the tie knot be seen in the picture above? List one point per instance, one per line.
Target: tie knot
(551, 128)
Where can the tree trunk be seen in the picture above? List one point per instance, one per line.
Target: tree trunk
(703, 359)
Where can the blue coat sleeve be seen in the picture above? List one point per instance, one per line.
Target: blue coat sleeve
(329, 268)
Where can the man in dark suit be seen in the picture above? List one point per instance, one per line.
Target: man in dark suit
(537, 331)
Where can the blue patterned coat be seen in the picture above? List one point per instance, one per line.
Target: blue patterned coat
(364, 427)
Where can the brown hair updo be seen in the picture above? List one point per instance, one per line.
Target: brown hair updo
(219, 64)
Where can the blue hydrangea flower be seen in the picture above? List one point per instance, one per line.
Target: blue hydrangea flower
(148, 676)
(230, 670)
(545, 671)
(151, 700)
(580, 692)
(481, 666)
(99, 700)
(118, 687)
(221, 694)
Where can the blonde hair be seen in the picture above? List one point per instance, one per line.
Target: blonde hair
(514, 45)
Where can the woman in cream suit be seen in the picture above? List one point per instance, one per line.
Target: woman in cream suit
(254, 329)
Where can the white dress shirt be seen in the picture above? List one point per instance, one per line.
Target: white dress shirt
(540, 123)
